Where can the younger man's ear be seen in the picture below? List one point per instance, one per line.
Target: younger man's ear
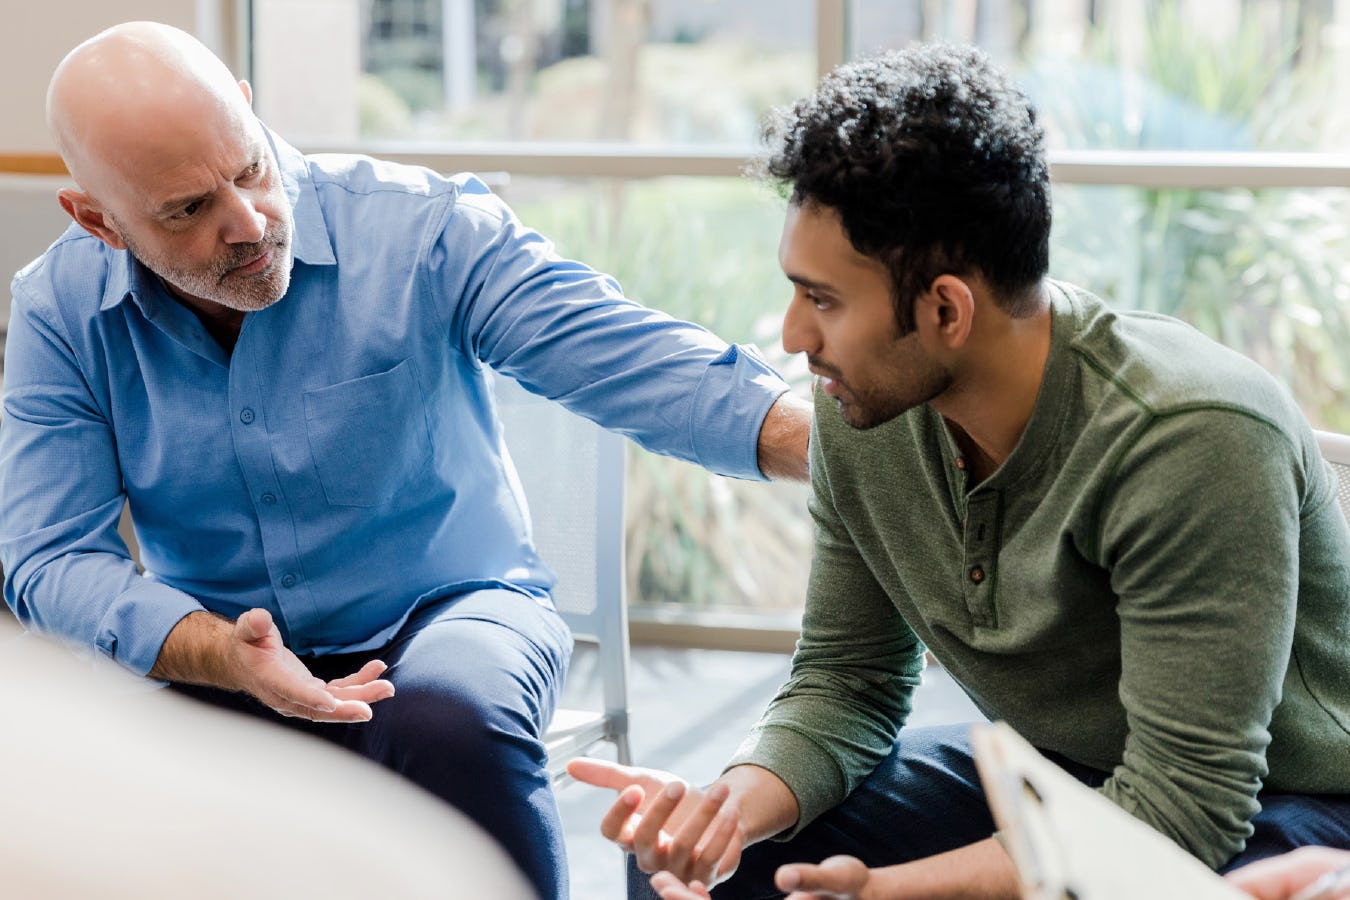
(948, 308)
(90, 216)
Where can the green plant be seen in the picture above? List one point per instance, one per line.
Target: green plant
(1263, 271)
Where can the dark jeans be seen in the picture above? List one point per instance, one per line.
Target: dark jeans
(477, 678)
(926, 798)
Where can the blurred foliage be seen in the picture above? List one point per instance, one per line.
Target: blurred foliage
(1266, 272)
(420, 88)
(711, 92)
(703, 250)
(380, 108)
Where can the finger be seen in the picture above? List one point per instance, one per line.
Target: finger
(605, 774)
(791, 877)
(253, 625)
(686, 838)
(348, 711)
(293, 691)
(722, 849)
(615, 822)
(838, 874)
(671, 888)
(308, 697)
(344, 711)
(376, 690)
(647, 835)
(366, 674)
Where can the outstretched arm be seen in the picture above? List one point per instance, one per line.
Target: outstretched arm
(567, 332)
(248, 655)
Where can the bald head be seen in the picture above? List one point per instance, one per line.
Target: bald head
(137, 88)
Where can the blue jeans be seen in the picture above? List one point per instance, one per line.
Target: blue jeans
(477, 678)
(926, 798)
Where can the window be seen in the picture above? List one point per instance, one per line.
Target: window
(1188, 142)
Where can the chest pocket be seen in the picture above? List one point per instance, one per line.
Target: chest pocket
(368, 436)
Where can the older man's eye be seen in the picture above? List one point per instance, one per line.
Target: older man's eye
(188, 211)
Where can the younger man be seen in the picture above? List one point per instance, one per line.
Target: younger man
(1115, 534)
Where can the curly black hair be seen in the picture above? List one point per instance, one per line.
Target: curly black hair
(935, 163)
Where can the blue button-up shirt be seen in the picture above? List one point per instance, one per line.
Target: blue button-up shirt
(344, 463)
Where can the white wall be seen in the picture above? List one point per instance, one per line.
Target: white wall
(306, 68)
(30, 51)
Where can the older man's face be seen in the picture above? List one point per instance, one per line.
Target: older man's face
(207, 213)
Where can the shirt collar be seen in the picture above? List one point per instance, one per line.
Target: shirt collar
(310, 242)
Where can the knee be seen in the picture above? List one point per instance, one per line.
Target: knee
(461, 730)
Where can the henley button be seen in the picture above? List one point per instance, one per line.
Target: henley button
(269, 498)
(961, 463)
(977, 575)
(288, 580)
(246, 415)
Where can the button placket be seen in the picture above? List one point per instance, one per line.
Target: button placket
(981, 548)
(253, 442)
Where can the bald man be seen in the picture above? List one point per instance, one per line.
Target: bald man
(280, 362)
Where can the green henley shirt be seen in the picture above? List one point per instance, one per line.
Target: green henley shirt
(1156, 583)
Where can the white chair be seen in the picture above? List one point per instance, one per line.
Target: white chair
(1336, 450)
(572, 473)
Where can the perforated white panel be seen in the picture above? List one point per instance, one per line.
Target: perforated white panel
(1342, 471)
(555, 456)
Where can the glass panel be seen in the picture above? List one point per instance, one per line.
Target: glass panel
(647, 71)
(704, 250)
(1264, 272)
(1151, 74)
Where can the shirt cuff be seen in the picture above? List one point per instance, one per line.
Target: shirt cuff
(134, 628)
(812, 775)
(730, 403)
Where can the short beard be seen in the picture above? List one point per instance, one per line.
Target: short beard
(249, 293)
(912, 380)
(870, 409)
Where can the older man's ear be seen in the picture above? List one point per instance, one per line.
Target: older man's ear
(90, 216)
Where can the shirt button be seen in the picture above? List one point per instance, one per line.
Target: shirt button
(288, 580)
(961, 463)
(977, 575)
(246, 415)
(269, 498)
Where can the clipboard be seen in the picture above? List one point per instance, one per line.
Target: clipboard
(1069, 842)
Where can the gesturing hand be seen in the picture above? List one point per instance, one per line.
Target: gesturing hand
(693, 834)
(271, 672)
